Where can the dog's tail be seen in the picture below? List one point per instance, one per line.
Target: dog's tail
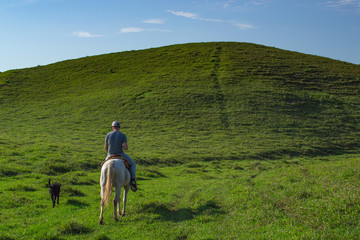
(49, 182)
(108, 185)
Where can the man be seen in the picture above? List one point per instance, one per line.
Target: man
(115, 144)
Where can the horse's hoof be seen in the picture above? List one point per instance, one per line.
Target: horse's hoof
(116, 219)
(101, 223)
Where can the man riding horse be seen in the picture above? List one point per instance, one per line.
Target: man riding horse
(115, 144)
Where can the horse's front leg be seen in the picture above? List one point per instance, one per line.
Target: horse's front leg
(126, 190)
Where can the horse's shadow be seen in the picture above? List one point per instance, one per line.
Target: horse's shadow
(171, 213)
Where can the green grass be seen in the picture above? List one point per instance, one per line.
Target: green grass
(231, 139)
(258, 102)
(291, 199)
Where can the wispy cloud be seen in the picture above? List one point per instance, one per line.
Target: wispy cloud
(243, 4)
(227, 3)
(343, 3)
(184, 14)
(138, 30)
(148, 21)
(131, 30)
(192, 16)
(242, 26)
(154, 21)
(82, 34)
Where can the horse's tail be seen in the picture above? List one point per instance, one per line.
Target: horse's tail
(108, 185)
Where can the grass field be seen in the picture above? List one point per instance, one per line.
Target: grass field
(232, 140)
(288, 199)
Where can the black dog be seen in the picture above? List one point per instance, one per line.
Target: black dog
(54, 190)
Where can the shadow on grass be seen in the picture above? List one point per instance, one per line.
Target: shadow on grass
(169, 213)
(8, 172)
(6, 237)
(146, 174)
(70, 191)
(76, 203)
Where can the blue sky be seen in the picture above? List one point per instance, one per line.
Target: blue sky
(40, 32)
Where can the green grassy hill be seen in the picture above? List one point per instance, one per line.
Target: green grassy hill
(232, 141)
(181, 103)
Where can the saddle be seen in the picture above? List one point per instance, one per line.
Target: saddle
(126, 162)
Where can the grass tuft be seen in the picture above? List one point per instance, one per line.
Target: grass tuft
(73, 227)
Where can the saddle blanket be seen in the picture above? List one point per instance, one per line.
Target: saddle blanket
(126, 162)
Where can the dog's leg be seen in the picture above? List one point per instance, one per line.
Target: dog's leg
(53, 199)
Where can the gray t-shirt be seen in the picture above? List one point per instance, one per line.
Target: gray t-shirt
(115, 141)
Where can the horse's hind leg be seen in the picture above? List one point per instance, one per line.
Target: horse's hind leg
(116, 202)
(126, 190)
(102, 202)
(118, 208)
(101, 212)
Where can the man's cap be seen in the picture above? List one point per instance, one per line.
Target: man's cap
(116, 124)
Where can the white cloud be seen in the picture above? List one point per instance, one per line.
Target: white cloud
(82, 34)
(154, 21)
(342, 3)
(192, 16)
(131, 30)
(137, 30)
(244, 26)
(244, 4)
(211, 20)
(228, 3)
(184, 14)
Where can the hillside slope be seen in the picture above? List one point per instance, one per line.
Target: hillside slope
(191, 102)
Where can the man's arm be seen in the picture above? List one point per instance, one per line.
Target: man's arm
(125, 146)
(106, 146)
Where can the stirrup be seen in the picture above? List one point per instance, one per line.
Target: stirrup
(133, 185)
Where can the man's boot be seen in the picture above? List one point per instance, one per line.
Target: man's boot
(133, 185)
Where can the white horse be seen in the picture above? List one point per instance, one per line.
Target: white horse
(114, 174)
